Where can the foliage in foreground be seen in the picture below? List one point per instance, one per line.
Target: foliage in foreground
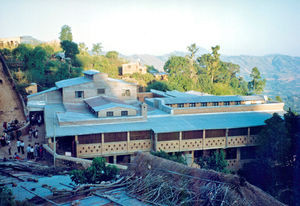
(96, 173)
(276, 168)
(215, 162)
(176, 158)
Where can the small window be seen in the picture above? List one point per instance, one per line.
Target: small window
(192, 104)
(101, 91)
(29, 91)
(204, 104)
(180, 105)
(226, 103)
(124, 113)
(237, 102)
(126, 92)
(215, 103)
(78, 94)
(109, 114)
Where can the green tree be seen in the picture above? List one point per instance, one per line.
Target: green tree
(179, 73)
(257, 84)
(97, 48)
(277, 159)
(158, 85)
(65, 33)
(210, 63)
(112, 55)
(215, 162)
(99, 171)
(71, 50)
(275, 132)
(83, 49)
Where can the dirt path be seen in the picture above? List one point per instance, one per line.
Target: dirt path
(10, 107)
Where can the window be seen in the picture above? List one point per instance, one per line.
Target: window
(226, 103)
(215, 103)
(78, 94)
(109, 114)
(101, 91)
(192, 104)
(237, 102)
(180, 105)
(204, 104)
(29, 91)
(126, 92)
(124, 113)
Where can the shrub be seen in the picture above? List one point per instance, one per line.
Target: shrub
(176, 158)
(96, 173)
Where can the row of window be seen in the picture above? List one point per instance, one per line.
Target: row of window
(111, 113)
(204, 104)
(80, 94)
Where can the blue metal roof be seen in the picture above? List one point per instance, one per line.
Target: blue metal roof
(91, 72)
(159, 123)
(72, 82)
(42, 92)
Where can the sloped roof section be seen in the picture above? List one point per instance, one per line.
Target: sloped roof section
(42, 92)
(72, 82)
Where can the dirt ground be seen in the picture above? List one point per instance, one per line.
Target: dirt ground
(10, 107)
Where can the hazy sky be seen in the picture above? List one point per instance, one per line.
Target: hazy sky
(252, 27)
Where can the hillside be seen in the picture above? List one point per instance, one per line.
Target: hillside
(281, 71)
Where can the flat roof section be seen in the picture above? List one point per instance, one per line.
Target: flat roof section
(157, 123)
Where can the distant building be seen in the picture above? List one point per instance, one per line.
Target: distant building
(11, 42)
(95, 115)
(131, 68)
(31, 89)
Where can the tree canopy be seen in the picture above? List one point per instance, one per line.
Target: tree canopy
(257, 84)
(65, 33)
(207, 74)
(97, 49)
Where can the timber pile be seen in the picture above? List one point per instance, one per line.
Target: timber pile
(162, 182)
(30, 166)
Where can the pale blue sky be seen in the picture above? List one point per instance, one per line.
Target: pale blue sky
(253, 27)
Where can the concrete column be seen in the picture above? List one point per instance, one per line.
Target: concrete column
(50, 143)
(203, 140)
(248, 132)
(115, 159)
(189, 158)
(102, 143)
(155, 142)
(128, 141)
(76, 143)
(180, 140)
(238, 154)
(226, 140)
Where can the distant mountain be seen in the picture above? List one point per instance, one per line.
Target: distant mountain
(159, 61)
(30, 40)
(281, 71)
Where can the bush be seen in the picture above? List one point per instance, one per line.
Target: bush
(176, 158)
(96, 173)
(215, 162)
